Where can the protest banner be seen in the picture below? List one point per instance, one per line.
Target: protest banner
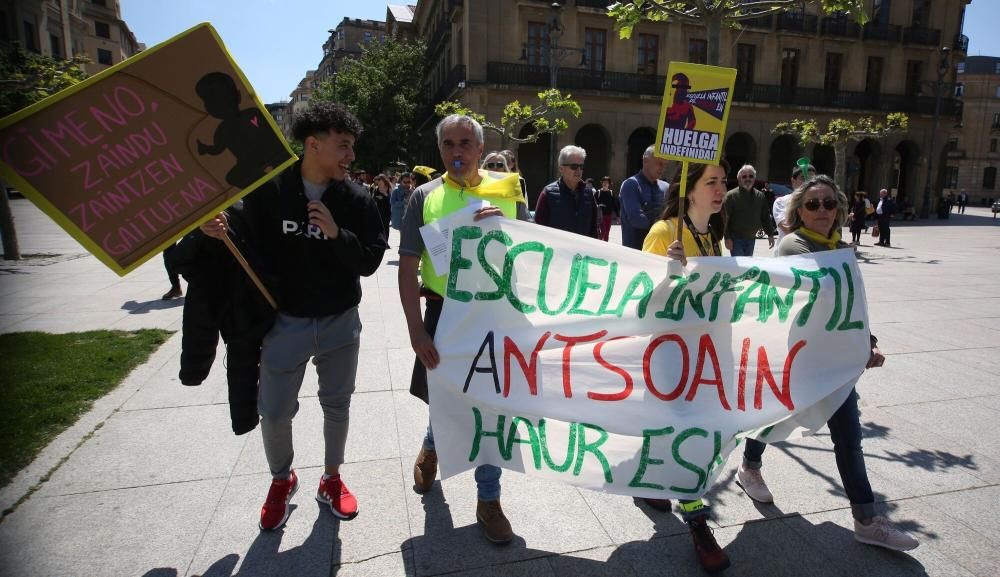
(133, 158)
(572, 359)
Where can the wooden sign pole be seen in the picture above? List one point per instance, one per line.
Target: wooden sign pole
(246, 267)
(682, 194)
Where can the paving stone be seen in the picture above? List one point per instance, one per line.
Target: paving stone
(448, 538)
(832, 533)
(137, 448)
(126, 532)
(312, 539)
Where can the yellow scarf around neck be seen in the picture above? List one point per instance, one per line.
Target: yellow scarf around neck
(506, 188)
(830, 243)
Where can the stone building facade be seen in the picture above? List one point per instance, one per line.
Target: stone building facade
(973, 155)
(64, 28)
(486, 53)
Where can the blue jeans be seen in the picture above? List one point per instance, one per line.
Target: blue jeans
(845, 431)
(487, 476)
(743, 246)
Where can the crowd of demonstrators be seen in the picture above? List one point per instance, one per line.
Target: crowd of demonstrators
(641, 199)
(319, 233)
(460, 143)
(816, 212)
(380, 190)
(313, 232)
(607, 201)
(747, 212)
(569, 203)
(884, 210)
(703, 226)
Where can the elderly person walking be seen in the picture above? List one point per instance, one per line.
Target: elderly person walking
(747, 210)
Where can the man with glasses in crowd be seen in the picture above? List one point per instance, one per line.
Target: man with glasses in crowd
(641, 198)
(747, 211)
(568, 203)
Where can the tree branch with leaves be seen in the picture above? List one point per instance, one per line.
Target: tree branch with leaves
(715, 13)
(840, 131)
(548, 116)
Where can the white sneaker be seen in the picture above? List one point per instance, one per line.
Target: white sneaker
(882, 533)
(753, 483)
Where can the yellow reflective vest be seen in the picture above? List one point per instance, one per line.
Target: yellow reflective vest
(502, 190)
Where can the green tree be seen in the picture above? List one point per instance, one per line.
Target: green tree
(840, 131)
(714, 13)
(547, 116)
(382, 88)
(26, 78)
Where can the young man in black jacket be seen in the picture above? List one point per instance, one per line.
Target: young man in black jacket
(320, 233)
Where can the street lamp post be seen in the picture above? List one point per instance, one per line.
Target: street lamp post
(943, 66)
(554, 53)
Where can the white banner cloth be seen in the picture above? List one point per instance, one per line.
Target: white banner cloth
(578, 360)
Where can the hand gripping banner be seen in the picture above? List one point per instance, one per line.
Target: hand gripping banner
(573, 359)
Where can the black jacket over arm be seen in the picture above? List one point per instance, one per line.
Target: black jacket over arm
(222, 299)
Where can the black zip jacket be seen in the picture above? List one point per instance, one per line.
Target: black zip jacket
(221, 299)
(314, 276)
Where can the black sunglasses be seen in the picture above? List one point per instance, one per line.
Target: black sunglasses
(495, 165)
(813, 204)
(574, 166)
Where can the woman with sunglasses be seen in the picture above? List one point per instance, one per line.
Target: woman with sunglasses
(816, 212)
(704, 228)
(495, 162)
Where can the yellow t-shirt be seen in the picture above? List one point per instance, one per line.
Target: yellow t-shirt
(663, 233)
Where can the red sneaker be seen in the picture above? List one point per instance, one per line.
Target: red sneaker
(335, 493)
(275, 511)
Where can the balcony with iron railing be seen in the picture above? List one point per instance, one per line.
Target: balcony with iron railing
(884, 32)
(516, 74)
(763, 22)
(797, 22)
(839, 26)
(921, 35)
(455, 79)
(600, 4)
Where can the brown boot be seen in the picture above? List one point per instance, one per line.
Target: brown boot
(712, 558)
(425, 470)
(491, 517)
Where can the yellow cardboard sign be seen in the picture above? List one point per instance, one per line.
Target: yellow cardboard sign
(135, 157)
(694, 112)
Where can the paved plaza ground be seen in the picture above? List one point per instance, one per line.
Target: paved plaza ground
(153, 483)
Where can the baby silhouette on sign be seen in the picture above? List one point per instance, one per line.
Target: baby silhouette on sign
(245, 133)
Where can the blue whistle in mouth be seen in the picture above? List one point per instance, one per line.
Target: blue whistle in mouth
(457, 164)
